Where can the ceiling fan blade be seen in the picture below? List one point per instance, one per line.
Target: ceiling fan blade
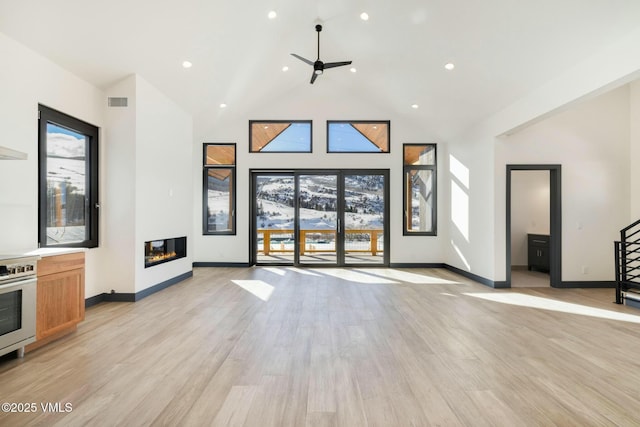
(314, 76)
(302, 59)
(336, 64)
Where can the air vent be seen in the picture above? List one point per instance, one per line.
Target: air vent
(118, 102)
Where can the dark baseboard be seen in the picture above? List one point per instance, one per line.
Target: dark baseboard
(416, 265)
(476, 278)
(94, 300)
(588, 284)
(131, 297)
(502, 284)
(163, 285)
(221, 264)
(468, 275)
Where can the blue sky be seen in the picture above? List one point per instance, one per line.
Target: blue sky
(344, 137)
(51, 128)
(296, 137)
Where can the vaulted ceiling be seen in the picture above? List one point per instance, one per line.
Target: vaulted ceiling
(501, 48)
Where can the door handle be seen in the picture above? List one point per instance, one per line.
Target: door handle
(338, 225)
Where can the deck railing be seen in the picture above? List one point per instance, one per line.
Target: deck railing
(275, 241)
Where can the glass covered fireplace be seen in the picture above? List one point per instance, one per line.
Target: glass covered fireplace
(165, 250)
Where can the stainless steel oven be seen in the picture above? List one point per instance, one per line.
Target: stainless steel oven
(18, 279)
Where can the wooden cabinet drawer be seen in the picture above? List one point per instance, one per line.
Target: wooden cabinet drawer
(58, 263)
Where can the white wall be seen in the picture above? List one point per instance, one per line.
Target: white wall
(530, 208)
(325, 100)
(478, 148)
(26, 79)
(163, 186)
(591, 142)
(118, 211)
(469, 216)
(634, 157)
(152, 135)
(148, 190)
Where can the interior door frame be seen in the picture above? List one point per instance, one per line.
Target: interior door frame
(555, 223)
(341, 173)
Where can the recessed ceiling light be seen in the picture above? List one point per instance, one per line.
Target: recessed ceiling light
(353, 69)
(223, 105)
(449, 66)
(415, 106)
(187, 64)
(285, 68)
(364, 16)
(272, 14)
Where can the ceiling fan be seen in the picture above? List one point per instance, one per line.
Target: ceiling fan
(319, 66)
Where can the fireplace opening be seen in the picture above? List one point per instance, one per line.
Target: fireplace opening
(164, 250)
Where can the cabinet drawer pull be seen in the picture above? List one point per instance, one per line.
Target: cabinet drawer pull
(539, 241)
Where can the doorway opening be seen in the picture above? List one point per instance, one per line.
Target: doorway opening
(320, 217)
(533, 226)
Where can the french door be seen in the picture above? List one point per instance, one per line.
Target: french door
(320, 217)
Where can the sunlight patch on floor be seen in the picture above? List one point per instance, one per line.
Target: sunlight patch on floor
(405, 276)
(274, 270)
(256, 287)
(302, 271)
(354, 276)
(523, 300)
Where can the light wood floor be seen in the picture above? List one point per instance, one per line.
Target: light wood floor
(521, 277)
(275, 346)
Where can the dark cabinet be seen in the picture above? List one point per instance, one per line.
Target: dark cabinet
(538, 249)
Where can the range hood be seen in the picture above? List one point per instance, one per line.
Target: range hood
(9, 154)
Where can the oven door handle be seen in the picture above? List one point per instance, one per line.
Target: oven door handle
(17, 283)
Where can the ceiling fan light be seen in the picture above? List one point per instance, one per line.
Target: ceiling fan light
(318, 72)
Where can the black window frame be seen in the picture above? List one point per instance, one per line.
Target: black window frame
(406, 169)
(251, 123)
(352, 122)
(232, 194)
(92, 207)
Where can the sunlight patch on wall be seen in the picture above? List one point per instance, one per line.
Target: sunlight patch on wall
(460, 171)
(462, 257)
(460, 209)
(258, 288)
(459, 196)
(531, 301)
